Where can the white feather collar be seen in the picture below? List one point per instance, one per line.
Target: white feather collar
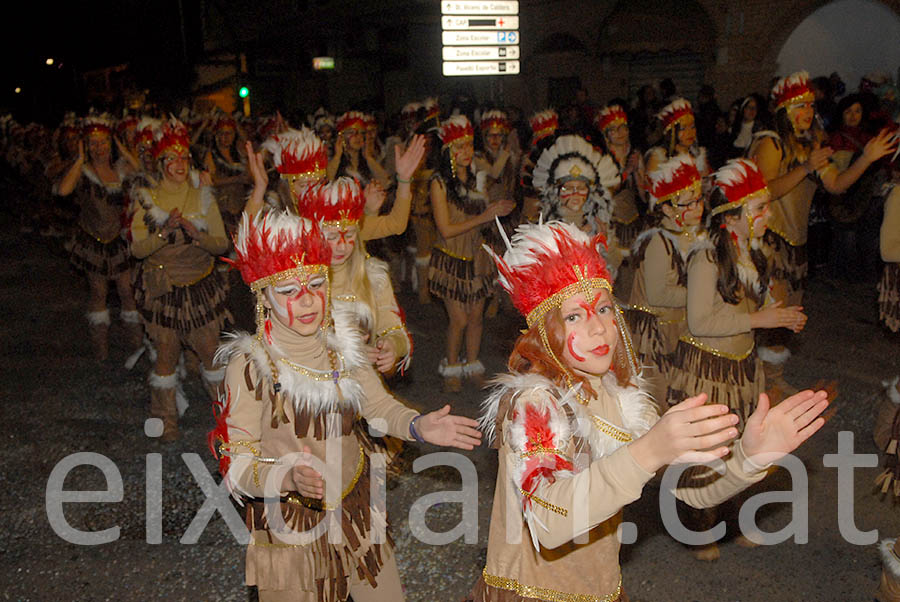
(305, 393)
(113, 187)
(159, 216)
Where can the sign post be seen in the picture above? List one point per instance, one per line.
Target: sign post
(480, 37)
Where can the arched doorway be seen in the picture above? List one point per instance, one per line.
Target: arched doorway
(852, 37)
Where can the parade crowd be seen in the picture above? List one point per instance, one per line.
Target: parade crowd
(656, 251)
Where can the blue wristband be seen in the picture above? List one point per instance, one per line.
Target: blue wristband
(413, 432)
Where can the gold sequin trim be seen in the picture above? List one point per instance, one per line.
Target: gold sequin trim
(645, 309)
(789, 241)
(724, 354)
(583, 285)
(694, 187)
(741, 201)
(317, 375)
(613, 431)
(547, 594)
(301, 271)
(454, 255)
(230, 447)
(544, 503)
(315, 504)
(391, 329)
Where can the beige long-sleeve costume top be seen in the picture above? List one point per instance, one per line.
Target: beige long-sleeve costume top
(565, 470)
(714, 324)
(659, 286)
(176, 259)
(262, 428)
(383, 319)
(890, 227)
(788, 214)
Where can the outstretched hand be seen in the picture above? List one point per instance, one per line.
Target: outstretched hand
(443, 428)
(771, 433)
(407, 162)
(690, 432)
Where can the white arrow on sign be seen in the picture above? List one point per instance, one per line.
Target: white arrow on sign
(480, 53)
(480, 38)
(470, 22)
(455, 68)
(508, 7)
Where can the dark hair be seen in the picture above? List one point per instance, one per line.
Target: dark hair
(847, 102)
(344, 165)
(724, 256)
(762, 115)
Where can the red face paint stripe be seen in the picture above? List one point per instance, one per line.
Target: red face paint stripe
(570, 342)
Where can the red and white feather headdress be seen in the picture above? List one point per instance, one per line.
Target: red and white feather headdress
(410, 110)
(298, 154)
(740, 180)
(172, 136)
(672, 178)
(610, 115)
(337, 204)
(792, 89)
(272, 247)
(677, 111)
(146, 131)
(543, 124)
(455, 128)
(545, 264)
(432, 109)
(97, 124)
(495, 120)
(351, 119)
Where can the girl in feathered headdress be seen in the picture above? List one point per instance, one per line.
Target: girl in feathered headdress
(459, 272)
(577, 437)
(291, 429)
(679, 137)
(227, 167)
(353, 157)
(497, 158)
(99, 249)
(177, 233)
(727, 301)
(794, 162)
(658, 292)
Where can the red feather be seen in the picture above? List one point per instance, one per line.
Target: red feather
(221, 414)
(539, 437)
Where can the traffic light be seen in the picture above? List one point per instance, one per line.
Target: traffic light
(244, 92)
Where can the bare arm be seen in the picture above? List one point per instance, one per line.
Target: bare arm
(70, 180)
(442, 213)
(877, 147)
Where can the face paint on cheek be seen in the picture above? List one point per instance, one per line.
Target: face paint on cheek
(570, 342)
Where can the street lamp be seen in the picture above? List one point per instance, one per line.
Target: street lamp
(49, 62)
(18, 90)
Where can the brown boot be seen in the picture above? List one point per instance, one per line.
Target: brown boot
(98, 322)
(453, 375)
(773, 359)
(162, 404)
(134, 330)
(889, 588)
(212, 382)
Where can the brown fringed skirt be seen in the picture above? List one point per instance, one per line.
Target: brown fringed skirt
(184, 308)
(454, 278)
(482, 592)
(325, 567)
(889, 297)
(790, 264)
(91, 256)
(736, 383)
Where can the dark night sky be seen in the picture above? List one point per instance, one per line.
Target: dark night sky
(94, 34)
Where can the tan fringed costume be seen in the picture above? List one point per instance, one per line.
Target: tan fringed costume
(658, 298)
(532, 550)
(177, 286)
(319, 382)
(98, 247)
(717, 355)
(460, 270)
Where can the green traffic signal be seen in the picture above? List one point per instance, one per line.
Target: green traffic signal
(244, 92)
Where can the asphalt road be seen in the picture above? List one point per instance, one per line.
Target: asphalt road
(58, 401)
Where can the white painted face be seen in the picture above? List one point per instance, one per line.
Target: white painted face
(591, 332)
(687, 209)
(299, 304)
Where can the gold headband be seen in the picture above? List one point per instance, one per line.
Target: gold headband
(300, 271)
(742, 201)
(694, 187)
(806, 96)
(460, 139)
